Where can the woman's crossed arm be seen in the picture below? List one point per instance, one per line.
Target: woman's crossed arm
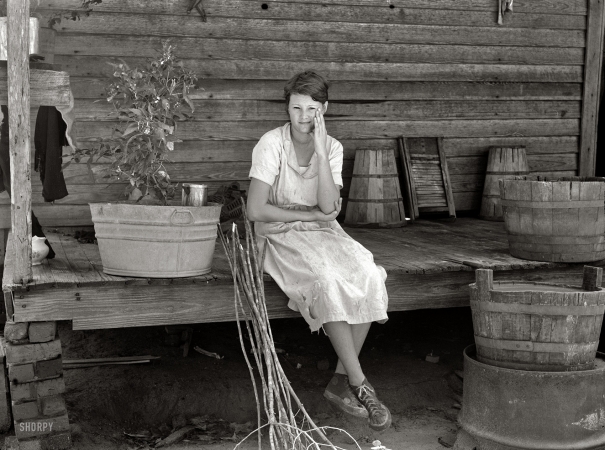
(260, 210)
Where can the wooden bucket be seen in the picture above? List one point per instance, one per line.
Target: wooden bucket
(375, 199)
(557, 221)
(502, 163)
(537, 326)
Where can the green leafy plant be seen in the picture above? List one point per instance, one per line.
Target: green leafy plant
(149, 103)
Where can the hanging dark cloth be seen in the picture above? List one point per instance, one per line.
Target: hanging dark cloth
(49, 139)
(5, 161)
(5, 181)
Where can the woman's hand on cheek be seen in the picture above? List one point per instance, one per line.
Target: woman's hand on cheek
(320, 135)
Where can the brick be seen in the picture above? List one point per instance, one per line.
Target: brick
(21, 373)
(25, 373)
(16, 331)
(48, 388)
(31, 391)
(28, 410)
(42, 331)
(51, 406)
(18, 354)
(45, 406)
(40, 427)
(48, 369)
(59, 441)
(18, 342)
(21, 392)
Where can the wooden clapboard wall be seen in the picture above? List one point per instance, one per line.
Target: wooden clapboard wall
(398, 67)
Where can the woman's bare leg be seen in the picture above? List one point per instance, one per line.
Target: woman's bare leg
(341, 337)
(360, 332)
(347, 340)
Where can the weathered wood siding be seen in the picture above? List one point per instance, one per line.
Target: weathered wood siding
(399, 67)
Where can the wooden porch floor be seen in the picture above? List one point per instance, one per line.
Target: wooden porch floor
(429, 263)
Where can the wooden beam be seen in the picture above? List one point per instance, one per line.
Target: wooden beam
(47, 87)
(592, 88)
(103, 306)
(19, 136)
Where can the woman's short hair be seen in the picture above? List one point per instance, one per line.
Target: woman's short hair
(308, 83)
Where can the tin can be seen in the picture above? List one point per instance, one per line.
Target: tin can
(194, 194)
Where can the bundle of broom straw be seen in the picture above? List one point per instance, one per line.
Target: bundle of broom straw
(288, 429)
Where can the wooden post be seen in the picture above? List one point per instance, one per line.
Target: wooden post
(593, 276)
(484, 279)
(592, 81)
(19, 135)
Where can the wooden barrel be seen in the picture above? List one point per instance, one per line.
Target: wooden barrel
(537, 326)
(502, 163)
(557, 221)
(375, 198)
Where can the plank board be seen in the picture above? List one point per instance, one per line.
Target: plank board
(19, 135)
(592, 87)
(377, 129)
(572, 7)
(217, 151)
(53, 216)
(234, 110)
(92, 66)
(273, 29)
(539, 6)
(450, 290)
(221, 171)
(547, 14)
(222, 151)
(251, 89)
(534, 145)
(442, 255)
(47, 87)
(242, 49)
(541, 162)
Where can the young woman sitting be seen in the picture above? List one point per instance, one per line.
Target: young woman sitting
(294, 199)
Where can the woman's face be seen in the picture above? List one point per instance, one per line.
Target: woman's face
(302, 110)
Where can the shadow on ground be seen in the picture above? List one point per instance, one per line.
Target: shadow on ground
(132, 406)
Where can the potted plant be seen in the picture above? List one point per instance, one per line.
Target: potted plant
(148, 235)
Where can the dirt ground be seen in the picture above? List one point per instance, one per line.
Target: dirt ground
(133, 406)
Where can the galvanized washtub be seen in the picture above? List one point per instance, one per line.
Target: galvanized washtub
(155, 241)
(506, 409)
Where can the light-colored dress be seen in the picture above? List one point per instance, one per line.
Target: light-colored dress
(327, 275)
